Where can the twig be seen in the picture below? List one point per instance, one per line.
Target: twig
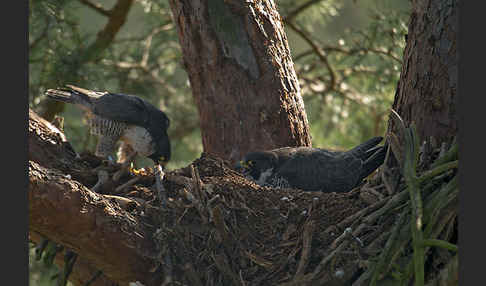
(450, 155)
(320, 54)
(356, 216)
(197, 184)
(223, 265)
(130, 183)
(122, 201)
(97, 7)
(92, 279)
(347, 234)
(383, 259)
(292, 14)
(440, 243)
(385, 169)
(438, 170)
(161, 192)
(192, 274)
(306, 248)
(325, 260)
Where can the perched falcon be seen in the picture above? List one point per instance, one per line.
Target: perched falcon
(314, 169)
(120, 117)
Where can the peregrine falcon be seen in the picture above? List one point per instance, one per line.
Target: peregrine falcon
(120, 117)
(314, 169)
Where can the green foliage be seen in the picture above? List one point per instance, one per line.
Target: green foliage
(348, 89)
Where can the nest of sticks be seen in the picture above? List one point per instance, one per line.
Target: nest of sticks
(219, 228)
(216, 227)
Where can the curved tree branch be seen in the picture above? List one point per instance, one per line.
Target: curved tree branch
(291, 15)
(106, 236)
(118, 16)
(67, 212)
(318, 51)
(97, 7)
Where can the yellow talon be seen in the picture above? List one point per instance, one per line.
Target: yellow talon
(136, 172)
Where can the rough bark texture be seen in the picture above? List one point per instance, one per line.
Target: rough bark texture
(242, 76)
(48, 146)
(64, 210)
(427, 91)
(67, 212)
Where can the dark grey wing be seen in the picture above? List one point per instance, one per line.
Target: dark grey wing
(318, 169)
(121, 107)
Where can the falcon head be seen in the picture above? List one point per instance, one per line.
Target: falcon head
(162, 151)
(259, 165)
(158, 130)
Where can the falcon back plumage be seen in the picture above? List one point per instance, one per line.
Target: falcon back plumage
(316, 169)
(113, 117)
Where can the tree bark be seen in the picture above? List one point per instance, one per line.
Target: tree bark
(427, 91)
(242, 76)
(61, 208)
(97, 229)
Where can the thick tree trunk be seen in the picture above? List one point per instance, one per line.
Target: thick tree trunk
(242, 76)
(426, 92)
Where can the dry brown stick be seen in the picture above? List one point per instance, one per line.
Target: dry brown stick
(391, 203)
(191, 191)
(97, 7)
(356, 216)
(192, 275)
(181, 180)
(320, 267)
(197, 184)
(161, 192)
(306, 248)
(130, 183)
(223, 265)
(122, 201)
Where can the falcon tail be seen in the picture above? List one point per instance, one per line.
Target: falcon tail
(69, 96)
(365, 146)
(374, 161)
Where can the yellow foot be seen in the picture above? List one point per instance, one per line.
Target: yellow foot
(135, 172)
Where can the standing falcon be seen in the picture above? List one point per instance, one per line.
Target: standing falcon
(314, 169)
(113, 117)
